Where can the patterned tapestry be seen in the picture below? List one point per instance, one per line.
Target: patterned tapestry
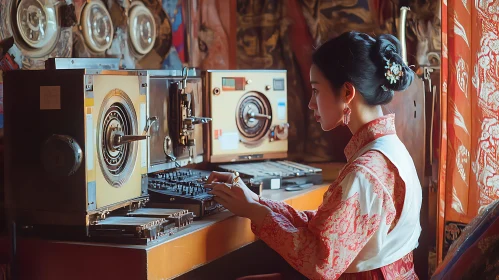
(208, 34)
(176, 56)
(469, 170)
(263, 42)
(270, 36)
(329, 19)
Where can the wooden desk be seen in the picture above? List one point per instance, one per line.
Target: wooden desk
(167, 258)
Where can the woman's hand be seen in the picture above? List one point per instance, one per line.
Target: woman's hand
(227, 177)
(235, 199)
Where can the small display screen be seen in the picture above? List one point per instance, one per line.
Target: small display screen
(233, 83)
(278, 84)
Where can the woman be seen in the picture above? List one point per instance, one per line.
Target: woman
(368, 223)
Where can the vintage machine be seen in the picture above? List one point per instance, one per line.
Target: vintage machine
(276, 174)
(136, 31)
(182, 188)
(249, 115)
(95, 29)
(150, 33)
(176, 139)
(175, 100)
(41, 29)
(140, 226)
(250, 126)
(141, 29)
(85, 149)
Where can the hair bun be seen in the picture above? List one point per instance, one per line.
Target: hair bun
(386, 54)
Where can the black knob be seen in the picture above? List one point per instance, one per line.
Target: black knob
(61, 155)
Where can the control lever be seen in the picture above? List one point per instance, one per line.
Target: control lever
(167, 145)
(150, 121)
(201, 120)
(258, 116)
(189, 122)
(119, 138)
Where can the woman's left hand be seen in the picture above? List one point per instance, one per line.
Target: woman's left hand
(239, 202)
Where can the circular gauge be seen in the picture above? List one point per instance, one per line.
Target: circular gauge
(36, 23)
(97, 26)
(253, 117)
(117, 115)
(142, 28)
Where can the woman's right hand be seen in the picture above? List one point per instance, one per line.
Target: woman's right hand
(227, 177)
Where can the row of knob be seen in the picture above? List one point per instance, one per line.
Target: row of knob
(179, 175)
(184, 189)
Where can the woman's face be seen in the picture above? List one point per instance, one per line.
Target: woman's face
(327, 106)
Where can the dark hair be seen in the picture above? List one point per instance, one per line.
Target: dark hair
(361, 60)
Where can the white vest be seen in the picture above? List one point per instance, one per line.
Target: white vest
(385, 248)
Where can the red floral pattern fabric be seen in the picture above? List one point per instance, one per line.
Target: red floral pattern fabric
(322, 244)
(469, 157)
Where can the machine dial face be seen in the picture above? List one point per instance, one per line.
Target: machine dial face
(117, 115)
(37, 24)
(250, 117)
(97, 26)
(142, 29)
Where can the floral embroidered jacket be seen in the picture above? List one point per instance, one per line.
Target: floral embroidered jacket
(344, 237)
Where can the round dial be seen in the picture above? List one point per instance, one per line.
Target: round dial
(253, 117)
(116, 119)
(36, 23)
(142, 28)
(97, 26)
(117, 115)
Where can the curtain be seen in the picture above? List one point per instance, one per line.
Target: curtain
(469, 155)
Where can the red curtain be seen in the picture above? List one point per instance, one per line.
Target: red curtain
(469, 157)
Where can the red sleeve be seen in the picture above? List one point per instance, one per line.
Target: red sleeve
(326, 246)
(296, 218)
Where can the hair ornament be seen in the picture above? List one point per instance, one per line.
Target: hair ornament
(393, 71)
(384, 87)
